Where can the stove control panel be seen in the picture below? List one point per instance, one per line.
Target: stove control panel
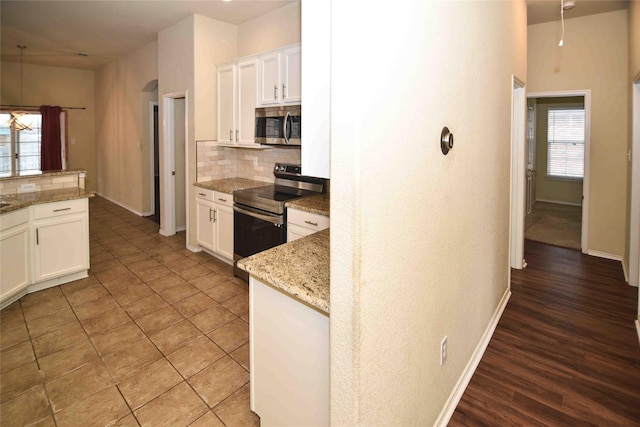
(287, 169)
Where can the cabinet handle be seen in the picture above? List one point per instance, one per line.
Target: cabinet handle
(315, 224)
(37, 237)
(284, 92)
(201, 194)
(236, 135)
(222, 200)
(230, 135)
(275, 92)
(63, 209)
(215, 215)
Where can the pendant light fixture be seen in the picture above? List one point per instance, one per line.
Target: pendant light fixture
(21, 119)
(564, 6)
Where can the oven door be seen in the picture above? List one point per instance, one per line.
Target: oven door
(255, 231)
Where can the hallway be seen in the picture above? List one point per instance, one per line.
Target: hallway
(565, 351)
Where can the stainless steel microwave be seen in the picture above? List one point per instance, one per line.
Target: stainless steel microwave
(278, 125)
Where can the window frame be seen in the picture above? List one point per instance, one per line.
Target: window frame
(583, 142)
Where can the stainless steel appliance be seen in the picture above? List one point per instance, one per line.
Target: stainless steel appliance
(259, 214)
(278, 125)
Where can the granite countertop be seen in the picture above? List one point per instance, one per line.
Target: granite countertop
(44, 174)
(229, 185)
(299, 268)
(22, 200)
(315, 204)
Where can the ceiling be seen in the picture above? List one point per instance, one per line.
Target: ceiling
(539, 11)
(56, 32)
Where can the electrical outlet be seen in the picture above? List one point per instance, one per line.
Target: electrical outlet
(443, 351)
(28, 188)
(255, 161)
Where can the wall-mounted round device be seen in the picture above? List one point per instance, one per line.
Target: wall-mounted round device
(446, 140)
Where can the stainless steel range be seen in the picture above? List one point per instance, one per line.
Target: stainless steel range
(259, 217)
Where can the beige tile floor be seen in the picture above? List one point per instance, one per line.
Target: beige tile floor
(155, 336)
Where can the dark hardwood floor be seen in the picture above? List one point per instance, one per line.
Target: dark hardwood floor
(565, 352)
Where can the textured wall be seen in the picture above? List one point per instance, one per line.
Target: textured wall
(419, 241)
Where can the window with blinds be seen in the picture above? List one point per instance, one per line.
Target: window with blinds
(565, 143)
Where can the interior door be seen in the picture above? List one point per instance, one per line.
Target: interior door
(531, 161)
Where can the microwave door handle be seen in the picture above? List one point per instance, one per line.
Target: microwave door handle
(287, 117)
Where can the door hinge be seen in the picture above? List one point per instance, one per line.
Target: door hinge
(173, 173)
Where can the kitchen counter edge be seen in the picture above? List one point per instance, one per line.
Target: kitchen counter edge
(299, 269)
(229, 185)
(318, 204)
(23, 200)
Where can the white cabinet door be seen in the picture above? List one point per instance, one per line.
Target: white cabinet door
(291, 79)
(14, 258)
(270, 79)
(224, 231)
(204, 223)
(294, 232)
(226, 103)
(61, 246)
(247, 101)
(289, 359)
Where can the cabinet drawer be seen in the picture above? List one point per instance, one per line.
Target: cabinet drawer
(11, 219)
(223, 199)
(48, 210)
(307, 219)
(202, 193)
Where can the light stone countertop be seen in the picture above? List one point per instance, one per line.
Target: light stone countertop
(299, 268)
(315, 204)
(229, 185)
(44, 174)
(22, 200)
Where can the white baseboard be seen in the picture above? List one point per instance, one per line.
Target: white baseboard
(465, 378)
(559, 202)
(605, 255)
(122, 206)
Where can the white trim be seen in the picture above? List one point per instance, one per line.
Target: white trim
(168, 212)
(634, 210)
(558, 202)
(469, 370)
(123, 206)
(152, 152)
(638, 328)
(605, 255)
(518, 174)
(587, 154)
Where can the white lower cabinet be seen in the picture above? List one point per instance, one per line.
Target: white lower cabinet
(289, 359)
(61, 233)
(301, 223)
(14, 253)
(214, 218)
(43, 246)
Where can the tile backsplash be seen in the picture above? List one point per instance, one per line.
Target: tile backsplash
(215, 162)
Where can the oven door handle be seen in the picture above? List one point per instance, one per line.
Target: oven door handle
(275, 219)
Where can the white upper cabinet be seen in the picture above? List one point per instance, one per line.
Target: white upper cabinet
(316, 87)
(237, 100)
(226, 102)
(280, 76)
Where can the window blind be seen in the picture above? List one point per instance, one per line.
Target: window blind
(565, 140)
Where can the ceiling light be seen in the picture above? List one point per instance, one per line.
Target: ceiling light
(22, 120)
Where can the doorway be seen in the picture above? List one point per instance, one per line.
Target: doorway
(634, 214)
(558, 138)
(155, 163)
(174, 168)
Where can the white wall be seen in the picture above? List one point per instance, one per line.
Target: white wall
(594, 56)
(419, 241)
(278, 28)
(122, 128)
(66, 87)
